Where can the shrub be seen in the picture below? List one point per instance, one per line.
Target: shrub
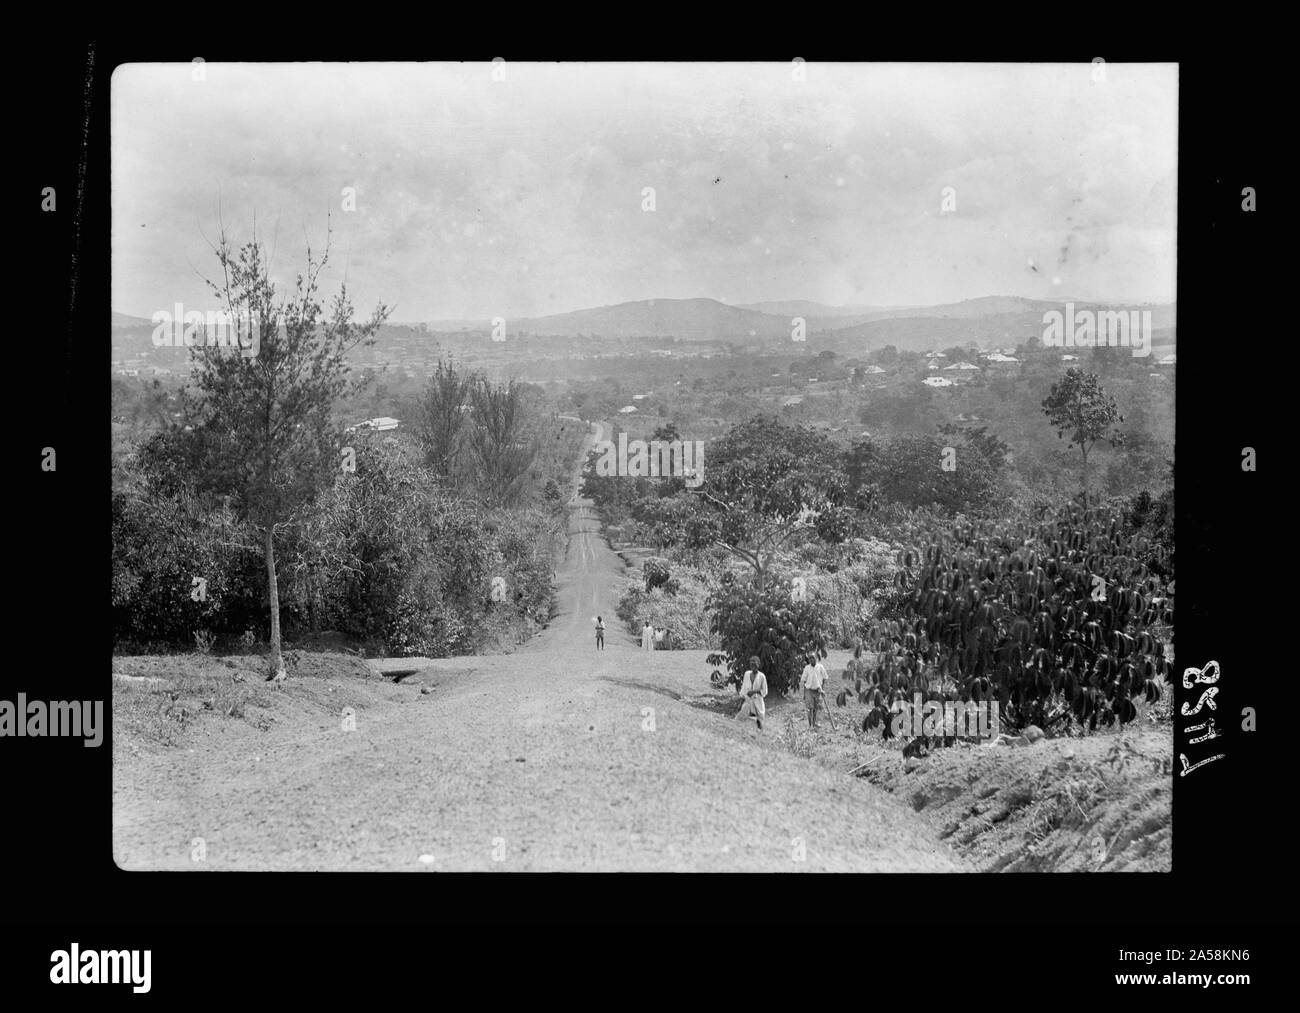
(1052, 620)
(766, 623)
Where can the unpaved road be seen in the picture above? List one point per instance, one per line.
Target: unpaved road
(554, 758)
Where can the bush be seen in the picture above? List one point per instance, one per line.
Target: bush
(385, 556)
(684, 613)
(1054, 620)
(766, 623)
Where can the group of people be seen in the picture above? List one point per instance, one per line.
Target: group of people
(753, 687)
(652, 637)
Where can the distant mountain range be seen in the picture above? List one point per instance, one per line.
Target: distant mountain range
(986, 320)
(989, 320)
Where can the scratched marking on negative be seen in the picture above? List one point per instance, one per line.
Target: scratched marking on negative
(1208, 673)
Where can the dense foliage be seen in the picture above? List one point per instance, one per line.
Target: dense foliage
(1055, 619)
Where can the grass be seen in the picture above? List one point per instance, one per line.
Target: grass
(163, 713)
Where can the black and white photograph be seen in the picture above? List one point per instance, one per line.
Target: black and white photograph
(645, 467)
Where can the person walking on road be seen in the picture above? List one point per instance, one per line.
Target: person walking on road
(600, 633)
(754, 688)
(814, 678)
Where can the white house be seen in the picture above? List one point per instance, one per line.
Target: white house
(937, 381)
(379, 425)
(962, 367)
(1069, 358)
(627, 410)
(1005, 359)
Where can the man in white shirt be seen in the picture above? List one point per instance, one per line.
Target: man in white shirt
(754, 688)
(814, 678)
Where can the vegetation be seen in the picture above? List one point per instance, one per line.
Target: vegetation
(1053, 618)
(252, 506)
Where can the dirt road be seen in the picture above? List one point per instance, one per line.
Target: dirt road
(557, 757)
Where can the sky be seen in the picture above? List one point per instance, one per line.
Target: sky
(478, 197)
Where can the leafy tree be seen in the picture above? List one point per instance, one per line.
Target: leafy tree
(861, 471)
(1081, 411)
(1055, 618)
(504, 450)
(766, 483)
(441, 417)
(765, 622)
(263, 424)
(912, 473)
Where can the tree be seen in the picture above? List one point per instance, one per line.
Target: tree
(442, 409)
(926, 471)
(264, 430)
(767, 482)
(767, 624)
(503, 450)
(1079, 406)
(1052, 617)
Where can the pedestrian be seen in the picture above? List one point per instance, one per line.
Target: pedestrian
(600, 633)
(821, 691)
(647, 637)
(814, 677)
(754, 688)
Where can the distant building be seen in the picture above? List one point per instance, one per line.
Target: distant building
(963, 367)
(1069, 358)
(379, 425)
(628, 410)
(791, 401)
(872, 371)
(1006, 360)
(937, 381)
(1167, 360)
